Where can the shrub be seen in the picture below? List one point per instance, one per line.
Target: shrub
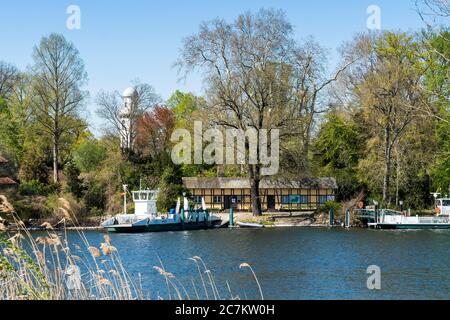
(36, 188)
(32, 188)
(171, 187)
(336, 206)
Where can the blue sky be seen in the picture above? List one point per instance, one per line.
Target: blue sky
(124, 40)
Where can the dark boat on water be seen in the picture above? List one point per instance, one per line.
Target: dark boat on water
(147, 219)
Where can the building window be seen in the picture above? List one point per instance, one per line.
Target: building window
(217, 199)
(325, 199)
(198, 199)
(236, 199)
(294, 199)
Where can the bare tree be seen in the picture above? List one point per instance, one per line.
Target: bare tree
(8, 76)
(59, 74)
(110, 106)
(246, 64)
(433, 11)
(309, 83)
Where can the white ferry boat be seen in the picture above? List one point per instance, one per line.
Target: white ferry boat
(387, 220)
(147, 219)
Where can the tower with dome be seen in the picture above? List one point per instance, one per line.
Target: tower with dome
(125, 115)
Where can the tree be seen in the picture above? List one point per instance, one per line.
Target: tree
(337, 151)
(88, 154)
(437, 84)
(74, 183)
(183, 104)
(390, 93)
(309, 83)
(433, 12)
(170, 188)
(15, 116)
(247, 64)
(110, 106)
(154, 130)
(36, 160)
(8, 77)
(58, 75)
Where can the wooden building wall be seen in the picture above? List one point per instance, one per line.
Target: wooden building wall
(276, 199)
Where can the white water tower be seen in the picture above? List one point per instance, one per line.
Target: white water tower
(125, 115)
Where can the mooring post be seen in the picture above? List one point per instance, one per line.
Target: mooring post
(347, 218)
(331, 217)
(231, 218)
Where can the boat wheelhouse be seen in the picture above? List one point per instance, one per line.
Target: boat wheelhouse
(443, 207)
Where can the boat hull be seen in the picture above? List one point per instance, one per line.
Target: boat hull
(162, 227)
(412, 226)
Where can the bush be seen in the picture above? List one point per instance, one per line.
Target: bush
(94, 211)
(171, 187)
(35, 208)
(36, 188)
(336, 206)
(74, 184)
(66, 206)
(32, 188)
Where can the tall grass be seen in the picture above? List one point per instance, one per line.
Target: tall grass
(40, 268)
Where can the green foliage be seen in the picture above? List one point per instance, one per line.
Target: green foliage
(74, 183)
(88, 155)
(32, 208)
(36, 161)
(337, 151)
(438, 84)
(37, 188)
(183, 104)
(170, 188)
(32, 188)
(336, 206)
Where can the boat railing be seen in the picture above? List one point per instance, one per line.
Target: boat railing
(371, 213)
(125, 219)
(436, 219)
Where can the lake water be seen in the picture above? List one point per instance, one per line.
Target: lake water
(294, 263)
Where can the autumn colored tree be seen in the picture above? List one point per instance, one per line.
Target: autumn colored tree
(154, 130)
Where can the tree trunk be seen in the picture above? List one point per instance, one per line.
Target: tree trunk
(55, 159)
(387, 166)
(254, 190)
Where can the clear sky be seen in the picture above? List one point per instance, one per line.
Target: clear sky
(122, 40)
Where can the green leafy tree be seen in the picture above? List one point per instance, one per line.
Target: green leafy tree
(337, 151)
(170, 188)
(437, 47)
(74, 184)
(89, 154)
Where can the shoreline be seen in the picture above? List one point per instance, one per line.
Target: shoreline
(86, 228)
(267, 220)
